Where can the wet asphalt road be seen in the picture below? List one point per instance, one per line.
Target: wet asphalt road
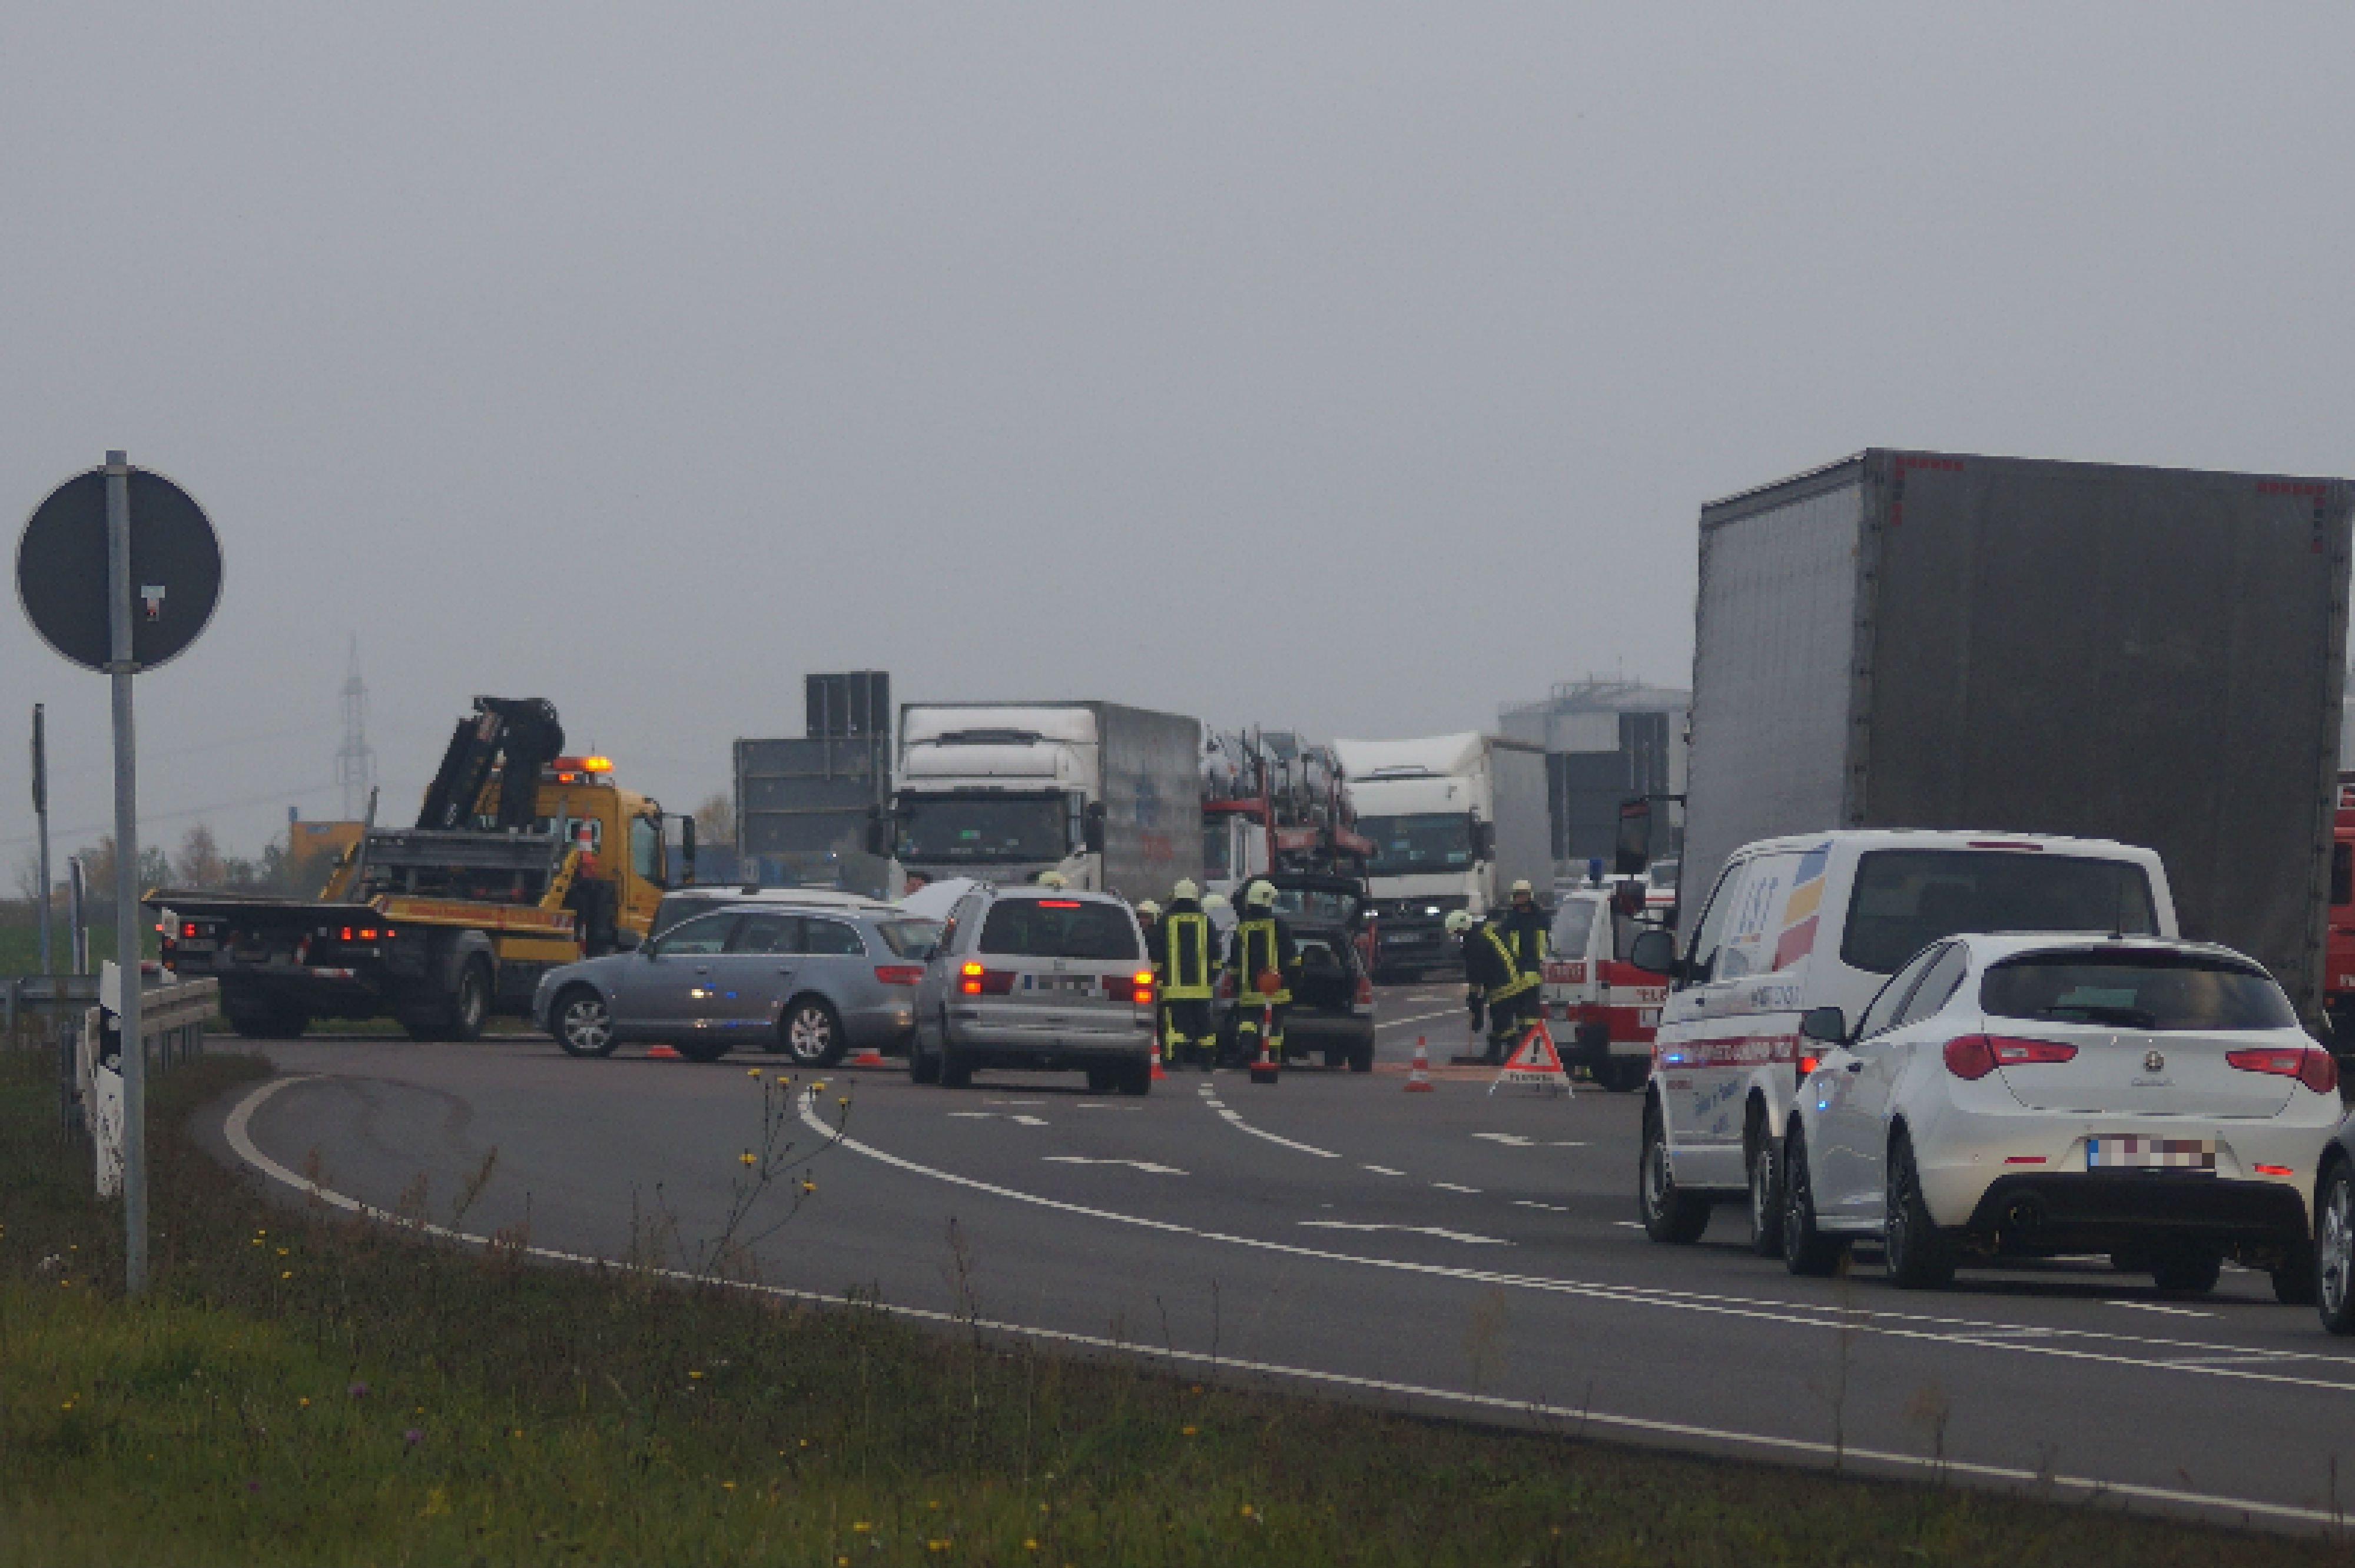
(1458, 1250)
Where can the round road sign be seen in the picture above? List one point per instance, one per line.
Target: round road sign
(175, 569)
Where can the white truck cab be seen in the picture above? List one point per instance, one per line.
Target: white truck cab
(1824, 920)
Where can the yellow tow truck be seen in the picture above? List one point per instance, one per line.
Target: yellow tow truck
(443, 924)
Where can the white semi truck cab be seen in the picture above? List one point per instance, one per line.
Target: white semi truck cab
(1106, 795)
(1455, 820)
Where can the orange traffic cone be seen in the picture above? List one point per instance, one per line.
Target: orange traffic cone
(663, 1052)
(871, 1057)
(1418, 1079)
(1158, 1074)
(1266, 1069)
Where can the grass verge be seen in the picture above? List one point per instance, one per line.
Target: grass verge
(301, 1388)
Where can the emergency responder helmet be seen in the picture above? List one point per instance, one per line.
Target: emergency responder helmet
(1522, 886)
(1213, 901)
(1260, 896)
(1053, 880)
(1149, 907)
(1457, 922)
(1185, 889)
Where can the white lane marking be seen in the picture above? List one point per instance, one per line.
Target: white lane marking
(1259, 1132)
(995, 1117)
(1532, 1203)
(1454, 1187)
(240, 1140)
(1381, 1171)
(1629, 1224)
(1515, 1140)
(1027, 1121)
(1013, 1102)
(1145, 1165)
(1417, 1019)
(2155, 1306)
(1442, 1231)
(1893, 1325)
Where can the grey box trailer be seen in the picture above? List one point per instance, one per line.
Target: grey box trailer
(1916, 639)
(1523, 818)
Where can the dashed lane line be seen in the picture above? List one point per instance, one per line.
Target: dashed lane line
(992, 1116)
(1381, 1171)
(2155, 1306)
(1145, 1165)
(237, 1129)
(1533, 1203)
(2058, 1342)
(1442, 1231)
(1454, 1187)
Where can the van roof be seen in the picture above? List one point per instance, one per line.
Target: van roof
(1941, 838)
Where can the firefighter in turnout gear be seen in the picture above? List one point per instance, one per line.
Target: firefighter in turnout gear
(1497, 983)
(1185, 948)
(1528, 930)
(1262, 945)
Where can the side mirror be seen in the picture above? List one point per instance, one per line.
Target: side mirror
(1654, 952)
(1825, 1026)
(627, 941)
(1092, 831)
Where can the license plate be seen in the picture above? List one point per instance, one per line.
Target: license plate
(2151, 1153)
(196, 944)
(1068, 985)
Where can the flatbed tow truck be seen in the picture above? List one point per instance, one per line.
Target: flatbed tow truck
(444, 924)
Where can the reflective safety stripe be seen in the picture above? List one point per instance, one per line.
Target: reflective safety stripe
(1260, 935)
(1516, 982)
(1188, 947)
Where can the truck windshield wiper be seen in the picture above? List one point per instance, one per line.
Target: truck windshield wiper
(2128, 1018)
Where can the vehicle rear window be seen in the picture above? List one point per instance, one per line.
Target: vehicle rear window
(1907, 899)
(909, 938)
(1059, 928)
(2136, 991)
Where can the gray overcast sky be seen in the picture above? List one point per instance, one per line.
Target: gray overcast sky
(1345, 366)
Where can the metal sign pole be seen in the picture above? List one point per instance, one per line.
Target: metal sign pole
(41, 823)
(127, 944)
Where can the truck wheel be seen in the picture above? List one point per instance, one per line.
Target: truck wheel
(2187, 1270)
(1765, 1194)
(584, 1025)
(1915, 1256)
(1805, 1250)
(471, 1005)
(810, 1035)
(1668, 1215)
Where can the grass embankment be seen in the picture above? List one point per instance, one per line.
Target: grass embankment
(303, 1389)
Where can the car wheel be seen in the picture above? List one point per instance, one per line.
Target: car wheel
(1361, 1056)
(955, 1068)
(2334, 1251)
(923, 1068)
(1766, 1196)
(1668, 1214)
(1134, 1078)
(2294, 1282)
(1915, 1255)
(810, 1034)
(2187, 1270)
(584, 1025)
(1805, 1250)
(702, 1048)
(1624, 1077)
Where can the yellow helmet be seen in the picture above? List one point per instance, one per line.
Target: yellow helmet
(1260, 896)
(1213, 901)
(1185, 889)
(1457, 922)
(1053, 880)
(1520, 887)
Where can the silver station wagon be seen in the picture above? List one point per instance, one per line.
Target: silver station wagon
(1036, 978)
(811, 984)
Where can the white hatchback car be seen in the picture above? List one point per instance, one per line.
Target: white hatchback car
(2044, 1094)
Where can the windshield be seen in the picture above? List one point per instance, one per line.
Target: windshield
(1316, 906)
(1060, 928)
(1907, 899)
(909, 938)
(1218, 844)
(2136, 991)
(981, 828)
(1428, 841)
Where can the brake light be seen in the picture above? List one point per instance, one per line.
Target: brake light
(347, 933)
(1808, 1065)
(1058, 903)
(969, 980)
(2310, 1065)
(1142, 982)
(189, 928)
(900, 973)
(367, 933)
(975, 981)
(1973, 1056)
(2271, 1169)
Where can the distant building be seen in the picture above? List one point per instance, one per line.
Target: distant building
(1605, 741)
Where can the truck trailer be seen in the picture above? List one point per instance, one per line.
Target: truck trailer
(1453, 821)
(1932, 641)
(1105, 795)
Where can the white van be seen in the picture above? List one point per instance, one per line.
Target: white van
(1824, 920)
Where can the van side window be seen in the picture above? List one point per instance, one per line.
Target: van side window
(1882, 1014)
(1753, 932)
(1701, 959)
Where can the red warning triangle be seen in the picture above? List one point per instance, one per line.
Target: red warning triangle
(1536, 1053)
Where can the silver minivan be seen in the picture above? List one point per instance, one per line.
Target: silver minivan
(1036, 978)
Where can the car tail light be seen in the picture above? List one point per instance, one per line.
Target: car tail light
(367, 933)
(2310, 1065)
(975, 981)
(900, 973)
(1808, 1065)
(1058, 903)
(1141, 988)
(189, 928)
(1973, 1056)
(2271, 1170)
(347, 933)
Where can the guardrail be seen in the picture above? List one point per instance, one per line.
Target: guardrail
(172, 1020)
